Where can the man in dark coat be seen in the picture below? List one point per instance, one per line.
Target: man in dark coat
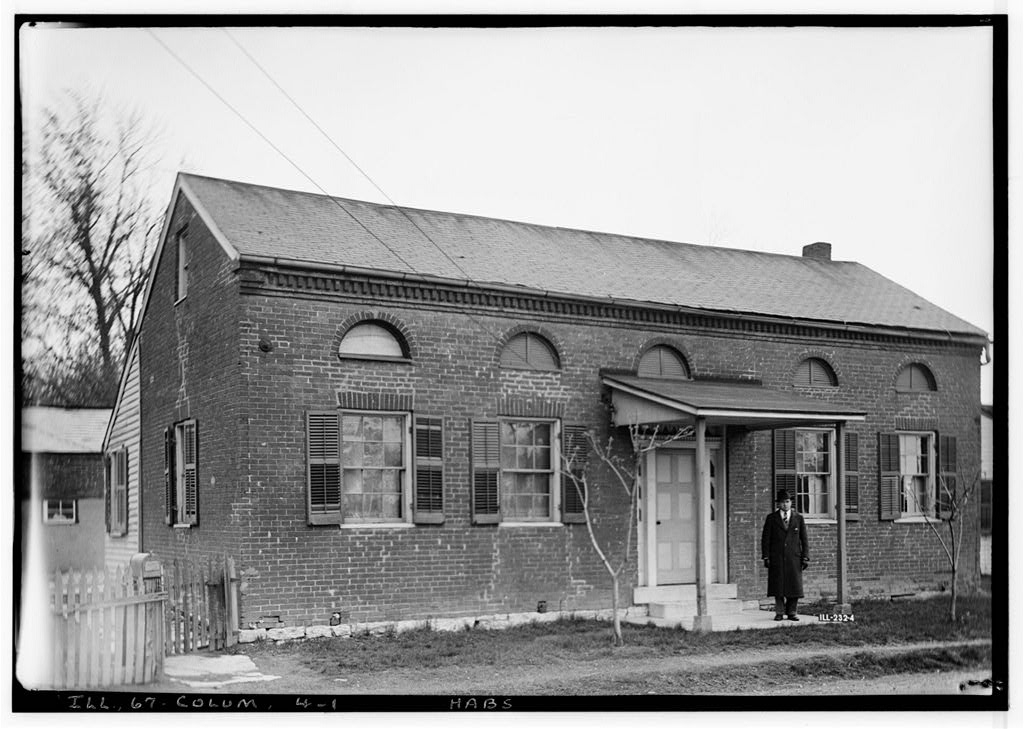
(784, 551)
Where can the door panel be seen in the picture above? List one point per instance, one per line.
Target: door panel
(675, 526)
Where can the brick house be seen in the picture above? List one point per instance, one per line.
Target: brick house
(61, 487)
(365, 405)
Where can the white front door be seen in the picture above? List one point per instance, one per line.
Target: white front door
(675, 514)
(673, 531)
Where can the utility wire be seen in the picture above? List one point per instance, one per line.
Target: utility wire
(199, 78)
(275, 147)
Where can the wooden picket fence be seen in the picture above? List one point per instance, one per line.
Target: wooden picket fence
(202, 604)
(107, 629)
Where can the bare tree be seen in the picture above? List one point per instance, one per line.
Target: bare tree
(89, 223)
(625, 473)
(955, 495)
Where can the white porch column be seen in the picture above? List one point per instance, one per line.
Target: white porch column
(702, 621)
(842, 596)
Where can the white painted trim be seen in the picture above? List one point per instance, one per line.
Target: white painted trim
(518, 524)
(815, 521)
(378, 525)
(921, 519)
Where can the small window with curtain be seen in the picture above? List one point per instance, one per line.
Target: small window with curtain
(917, 474)
(60, 512)
(515, 478)
(529, 351)
(663, 361)
(804, 466)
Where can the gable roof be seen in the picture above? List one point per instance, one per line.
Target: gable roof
(252, 221)
(63, 430)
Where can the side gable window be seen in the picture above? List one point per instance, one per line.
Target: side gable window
(117, 492)
(915, 377)
(815, 372)
(181, 474)
(663, 361)
(63, 512)
(372, 340)
(183, 261)
(529, 351)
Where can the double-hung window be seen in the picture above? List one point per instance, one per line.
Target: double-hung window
(181, 474)
(363, 468)
(515, 474)
(805, 467)
(917, 474)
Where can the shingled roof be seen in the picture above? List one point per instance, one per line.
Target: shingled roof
(265, 222)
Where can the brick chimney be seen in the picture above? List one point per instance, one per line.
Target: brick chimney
(820, 251)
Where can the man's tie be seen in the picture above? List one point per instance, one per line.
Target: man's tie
(785, 519)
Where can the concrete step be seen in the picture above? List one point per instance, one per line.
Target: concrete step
(681, 593)
(687, 609)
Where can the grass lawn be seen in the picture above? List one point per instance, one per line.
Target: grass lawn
(580, 641)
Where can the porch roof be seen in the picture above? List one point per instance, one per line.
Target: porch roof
(649, 401)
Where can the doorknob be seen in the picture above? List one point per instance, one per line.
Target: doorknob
(657, 523)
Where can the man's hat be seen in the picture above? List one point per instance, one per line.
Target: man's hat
(781, 496)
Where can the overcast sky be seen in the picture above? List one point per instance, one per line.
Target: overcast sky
(876, 140)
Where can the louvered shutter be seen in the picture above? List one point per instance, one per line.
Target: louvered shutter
(820, 375)
(429, 449)
(947, 476)
(190, 474)
(323, 475)
(170, 478)
(485, 454)
(851, 465)
(889, 476)
(785, 462)
(108, 486)
(576, 446)
(514, 353)
(121, 493)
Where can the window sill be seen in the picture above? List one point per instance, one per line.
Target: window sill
(181, 299)
(375, 358)
(917, 520)
(181, 526)
(815, 520)
(378, 525)
(530, 524)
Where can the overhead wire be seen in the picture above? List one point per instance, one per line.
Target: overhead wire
(499, 340)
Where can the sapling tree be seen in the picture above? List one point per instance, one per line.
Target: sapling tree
(622, 470)
(955, 494)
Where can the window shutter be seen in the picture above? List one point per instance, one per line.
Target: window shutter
(121, 502)
(429, 449)
(575, 445)
(485, 449)
(108, 485)
(851, 465)
(947, 476)
(190, 477)
(820, 376)
(323, 476)
(888, 476)
(170, 478)
(785, 462)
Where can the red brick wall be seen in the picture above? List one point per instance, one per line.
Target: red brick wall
(250, 406)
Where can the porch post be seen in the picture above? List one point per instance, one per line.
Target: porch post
(702, 621)
(842, 598)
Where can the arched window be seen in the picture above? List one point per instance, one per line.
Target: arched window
(529, 351)
(374, 341)
(814, 372)
(663, 361)
(915, 377)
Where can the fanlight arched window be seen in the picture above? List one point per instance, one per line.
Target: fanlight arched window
(372, 340)
(915, 377)
(814, 372)
(662, 361)
(529, 351)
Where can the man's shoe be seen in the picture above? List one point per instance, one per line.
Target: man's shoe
(794, 618)
(778, 617)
